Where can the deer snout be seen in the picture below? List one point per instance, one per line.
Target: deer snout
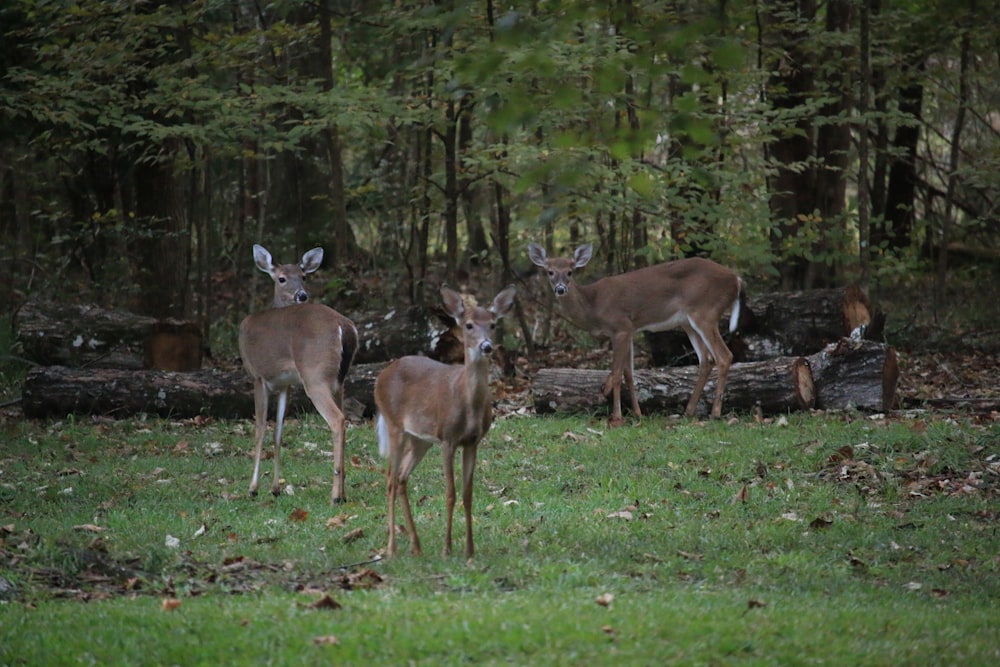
(301, 296)
(486, 347)
(561, 289)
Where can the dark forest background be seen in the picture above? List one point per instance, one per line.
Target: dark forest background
(145, 146)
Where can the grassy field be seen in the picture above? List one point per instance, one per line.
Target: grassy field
(812, 539)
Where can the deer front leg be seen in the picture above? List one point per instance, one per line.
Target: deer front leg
(279, 423)
(620, 344)
(468, 471)
(449, 500)
(260, 421)
(630, 379)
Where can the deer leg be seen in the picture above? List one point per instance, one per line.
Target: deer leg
(326, 404)
(704, 368)
(630, 378)
(414, 451)
(723, 360)
(391, 486)
(468, 470)
(260, 417)
(449, 499)
(619, 359)
(279, 422)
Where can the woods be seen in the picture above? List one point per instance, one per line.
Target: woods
(144, 148)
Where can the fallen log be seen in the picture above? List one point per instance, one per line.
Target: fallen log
(57, 391)
(859, 374)
(79, 335)
(846, 374)
(782, 324)
(773, 386)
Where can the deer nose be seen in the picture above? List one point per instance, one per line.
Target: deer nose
(486, 347)
(301, 296)
(561, 290)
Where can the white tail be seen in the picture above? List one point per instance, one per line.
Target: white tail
(297, 343)
(421, 402)
(689, 294)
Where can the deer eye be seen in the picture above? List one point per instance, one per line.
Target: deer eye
(569, 273)
(492, 326)
(282, 280)
(551, 273)
(468, 326)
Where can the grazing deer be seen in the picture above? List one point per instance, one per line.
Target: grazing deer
(421, 402)
(690, 294)
(297, 343)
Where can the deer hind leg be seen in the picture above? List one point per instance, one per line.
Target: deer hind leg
(723, 360)
(468, 471)
(630, 378)
(324, 399)
(279, 423)
(704, 367)
(413, 450)
(260, 400)
(449, 497)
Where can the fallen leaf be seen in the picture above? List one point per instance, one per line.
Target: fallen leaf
(690, 555)
(354, 534)
(819, 523)
(326, 602)
(298, 514)
(200, 531)
(326, 640)
(89, 527)
(742, 495)
(171, 542)
(605, 599)
(170, 604)
(755, 604)
(622, 514)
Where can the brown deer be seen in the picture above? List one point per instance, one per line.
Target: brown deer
(297, 343)
(421, 402)
(690, 294)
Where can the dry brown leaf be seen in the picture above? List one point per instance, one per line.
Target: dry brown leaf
(337, 521)
(326, 640)
(325, 602)
(298, 514)
(621, 514)
(354, 534)
(605, 599)
(170, 604)
(741, 496)
(89, 527)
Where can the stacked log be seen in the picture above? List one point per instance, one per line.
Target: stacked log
(85, 335)
(844, 374)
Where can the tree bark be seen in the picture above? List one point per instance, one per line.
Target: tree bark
(774, 386)
(84, 335)
(783, 323)
(56, 391)
(844, 375)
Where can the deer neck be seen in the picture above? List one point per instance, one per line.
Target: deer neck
(578, 305)
(473, 381)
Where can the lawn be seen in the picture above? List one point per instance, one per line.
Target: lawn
(809, 539)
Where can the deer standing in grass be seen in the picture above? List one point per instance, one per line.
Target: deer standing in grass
(690, 294)
(421, 402)
(297, 343)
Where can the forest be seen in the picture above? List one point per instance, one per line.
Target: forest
(146, 146)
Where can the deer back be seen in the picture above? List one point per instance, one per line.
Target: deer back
(285, 345)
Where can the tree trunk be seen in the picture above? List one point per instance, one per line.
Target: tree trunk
(56, 391)
(844, 375)
(774, 386)
(82, 335)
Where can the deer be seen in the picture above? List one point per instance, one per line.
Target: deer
(421, 402)
(297, 343)
(690, 294)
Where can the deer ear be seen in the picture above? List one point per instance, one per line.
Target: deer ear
(583, 254)
(453, 303)
(503, 301)
(262, 258)
(312, 260)
(537, 254)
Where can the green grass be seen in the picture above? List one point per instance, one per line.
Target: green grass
(826, 539)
